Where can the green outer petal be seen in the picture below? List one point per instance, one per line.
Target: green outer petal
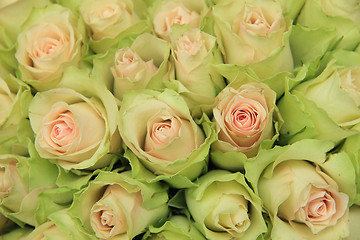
(101, 46)
(278, 83)
(13, 16)
(51, 201)
(177, 227)
(68, 224)
(310, 44)
(17, 234)
(291, 8)
(303, 119)
(354, 220)
(352, 148)
(347, 31)
(38, 165)
(202, 199)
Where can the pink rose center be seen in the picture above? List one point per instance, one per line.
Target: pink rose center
(244, 117)
(161, 132)
(320, 207)
(177, 16)
(47, 47)
(62, 127)
(107, 218)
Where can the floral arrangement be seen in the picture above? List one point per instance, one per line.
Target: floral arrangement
(179, 119)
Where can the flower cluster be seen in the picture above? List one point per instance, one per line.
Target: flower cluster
(179, 119)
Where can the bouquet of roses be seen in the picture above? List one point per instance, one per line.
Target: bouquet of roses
(179, 119)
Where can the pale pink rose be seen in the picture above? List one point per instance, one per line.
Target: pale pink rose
(63, 133)
(109, 218)
(324, 206)
(243, 118)
(72, 129)
(163, 129)
(48, 46)
(130, 71)
(170, 13)
(108, 18)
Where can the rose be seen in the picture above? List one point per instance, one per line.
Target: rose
(177, 227)
(319, 205)
(65, 139)
(225, 207)
(168, 13)
(135, 68)
(49, 42)
(258, 30)
(244, 117)
(110, 22)
(74, 130)
(163, 137)
(128, 64)
(305, 195)
(115, 205)
(193, 53)
(108, 18)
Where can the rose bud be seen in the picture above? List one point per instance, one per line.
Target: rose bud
(257, 30)
(75, 131)
(114, 205)
(245, 117)
(194, 52)
(225, 207)
(137, 67)
(162, 137)
(305, 194)
(167, 13)
(49, 43)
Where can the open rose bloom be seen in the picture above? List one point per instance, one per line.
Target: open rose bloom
(73, 129)
(159, 130)
(48, 45)
(258, 30)
(245, 117)
(299, 191)
(116, 206)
